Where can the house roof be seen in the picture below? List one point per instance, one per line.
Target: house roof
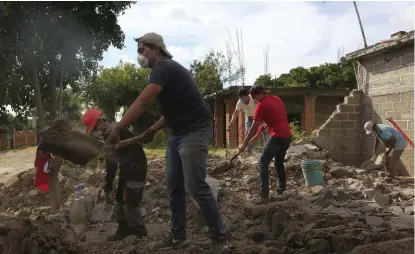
(397, 39)
(285, 91)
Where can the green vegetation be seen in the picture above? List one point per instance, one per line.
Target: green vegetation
(325, 75)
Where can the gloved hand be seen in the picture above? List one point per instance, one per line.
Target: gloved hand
(147, 136)
(113, 138)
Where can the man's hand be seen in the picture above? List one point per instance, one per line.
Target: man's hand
(147, 136)
(113, 138)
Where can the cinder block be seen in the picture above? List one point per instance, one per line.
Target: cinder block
(407, 80)
(370, 61)
(398, 52)
(339, 116)
(408, 153)
(385, 106)
(353, 116)
(333, 124)
(404, 70)
(402, 124)
(379, 67)
(339, 133)
(393, 63)
(407, 96)
(407, 115)
(411, 126)
(393, 97)
(351, 100)
(403, 105)
(345, 108)
(325, 132)
(394, 114)
(408, 59)
(356, 93)
(378, 99)
(353, 133)
(411, 104)
(348, 124)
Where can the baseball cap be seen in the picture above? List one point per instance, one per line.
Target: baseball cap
(369, 127)
(155, 39)
(257, 89)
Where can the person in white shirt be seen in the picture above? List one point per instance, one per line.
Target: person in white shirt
(247, 105)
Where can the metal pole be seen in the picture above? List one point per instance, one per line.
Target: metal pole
(360, 24)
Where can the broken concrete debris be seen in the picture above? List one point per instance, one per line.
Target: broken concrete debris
(355, 210)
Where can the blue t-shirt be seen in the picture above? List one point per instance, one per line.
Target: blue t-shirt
(385, 132)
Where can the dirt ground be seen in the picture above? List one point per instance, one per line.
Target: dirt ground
(13, 162)
(356, 211)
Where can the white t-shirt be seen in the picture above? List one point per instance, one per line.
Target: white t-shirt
(248, 109)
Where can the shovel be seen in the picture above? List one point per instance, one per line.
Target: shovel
(225, 167)
(103, 208)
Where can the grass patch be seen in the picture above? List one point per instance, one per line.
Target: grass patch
(296, 131)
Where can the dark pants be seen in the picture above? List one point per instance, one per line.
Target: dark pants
(130, 188)
(186, 164)
(274, 148)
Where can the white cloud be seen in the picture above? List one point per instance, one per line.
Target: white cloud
(127, 59)
(299, 33)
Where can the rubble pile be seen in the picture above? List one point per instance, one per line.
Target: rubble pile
(356, 211)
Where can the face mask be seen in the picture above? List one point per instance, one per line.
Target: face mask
(142, 61)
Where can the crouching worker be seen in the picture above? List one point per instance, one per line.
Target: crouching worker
(133, 170)
(47, 175)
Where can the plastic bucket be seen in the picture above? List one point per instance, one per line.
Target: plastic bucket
(313, 173)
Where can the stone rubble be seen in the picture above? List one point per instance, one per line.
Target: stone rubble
(356, 211)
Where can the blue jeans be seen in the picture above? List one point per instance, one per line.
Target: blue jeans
(186, 164)
(248, 123)
(274, 148)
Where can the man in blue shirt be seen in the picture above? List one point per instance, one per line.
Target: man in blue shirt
(394, 142)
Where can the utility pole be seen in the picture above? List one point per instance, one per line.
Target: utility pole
(360, 24)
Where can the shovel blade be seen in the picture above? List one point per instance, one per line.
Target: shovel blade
(221, 169)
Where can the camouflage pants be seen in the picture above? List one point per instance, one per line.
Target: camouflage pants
(128, 207)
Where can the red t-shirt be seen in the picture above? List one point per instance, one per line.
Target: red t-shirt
(271, 110)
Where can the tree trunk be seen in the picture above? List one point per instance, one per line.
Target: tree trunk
(52, 72)
(35, 83)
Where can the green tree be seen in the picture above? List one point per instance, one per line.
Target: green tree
(42, 39)
(116, 87)
(265, 80)
(211, 73)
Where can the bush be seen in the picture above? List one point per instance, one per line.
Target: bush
(296, 130)
(159, 141)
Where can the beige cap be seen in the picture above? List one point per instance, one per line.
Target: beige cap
(155, 39)
(369, 127)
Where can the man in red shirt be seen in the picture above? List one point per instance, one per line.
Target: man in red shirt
(271, 111)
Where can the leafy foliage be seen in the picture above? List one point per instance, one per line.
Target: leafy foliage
(41, 39)
(326, 75)
(119, 86)
(215, 70)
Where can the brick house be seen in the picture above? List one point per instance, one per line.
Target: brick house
(310, 107)
(385, 77)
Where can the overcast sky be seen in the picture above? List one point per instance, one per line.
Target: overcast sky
(299, 33)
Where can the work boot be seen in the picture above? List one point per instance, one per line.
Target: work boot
(280, 191)
(169, 243)
(121, 233)
(139, 232)
(222, 244)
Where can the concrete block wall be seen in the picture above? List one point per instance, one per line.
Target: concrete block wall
(309, 113)
(325, 106)
(341, 134)
(389, 90)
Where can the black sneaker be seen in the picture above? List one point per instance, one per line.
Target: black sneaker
(121, 233)
(168, 243)
(222, 245)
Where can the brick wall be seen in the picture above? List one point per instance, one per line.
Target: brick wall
(241, 127)
(388, 81)
(325, 105)
(232, 134)
(4, 141)
(24, 138)
(340, 134)
(309, 113)
(218, 122)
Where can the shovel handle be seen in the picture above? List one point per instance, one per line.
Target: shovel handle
(130, 141)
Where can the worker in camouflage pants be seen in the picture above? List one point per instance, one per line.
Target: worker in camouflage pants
(133, 170)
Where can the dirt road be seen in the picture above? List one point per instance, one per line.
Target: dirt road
(12, 162)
